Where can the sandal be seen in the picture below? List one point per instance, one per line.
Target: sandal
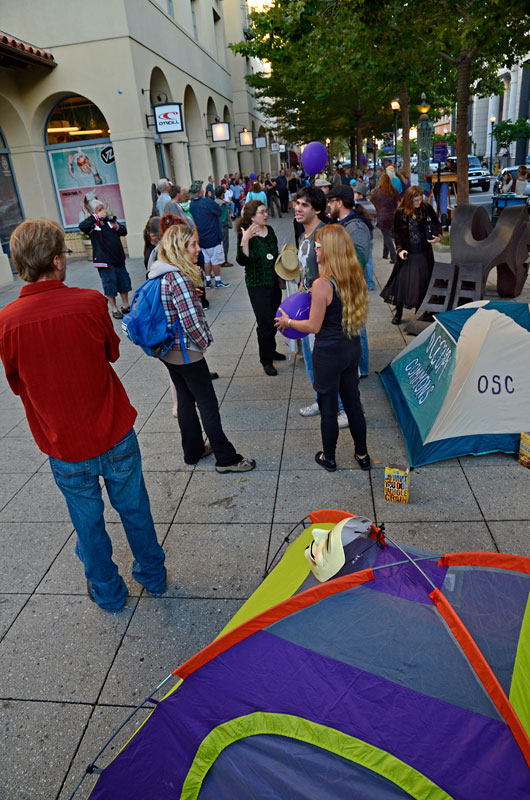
(363, 462)
(328, 463)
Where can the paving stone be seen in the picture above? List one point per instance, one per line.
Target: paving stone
(10, 485)
(66, 574)
(348, 490)
(263, 446)
(229, 497)
(262, 415)
(440, 493)
(101, 725)
(263, 387)
(511, 536)
(208, 560)
(39, 500)
(162, 452)
(71, 660)
(163, 633)
(10, 606)
(10, 419)
(29, 550)
(165, 490)
(443, 537)
(501, 492)
(37, 744)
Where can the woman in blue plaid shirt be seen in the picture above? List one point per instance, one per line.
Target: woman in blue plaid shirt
(178, 253)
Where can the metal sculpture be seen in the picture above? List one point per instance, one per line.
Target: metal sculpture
(476, 248)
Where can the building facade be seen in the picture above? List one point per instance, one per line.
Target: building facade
(78, 95)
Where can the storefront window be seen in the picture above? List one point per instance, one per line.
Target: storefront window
(82, 160)
(74, 120)
(10, 209)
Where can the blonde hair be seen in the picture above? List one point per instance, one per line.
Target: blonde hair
(339, 263)
(173, 250)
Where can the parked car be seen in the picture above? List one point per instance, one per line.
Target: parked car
(498, 183)
(477, 175)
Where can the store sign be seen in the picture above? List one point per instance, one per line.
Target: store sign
(275, 147)
(261, 142)
(85, 173)
(220, 131)
(282, 148)
(168, 118)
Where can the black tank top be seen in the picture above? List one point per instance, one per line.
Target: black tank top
(331, 330)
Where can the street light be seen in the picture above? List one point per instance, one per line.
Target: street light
(395, 108)
(470, 141)
(328, 142)
(492, 120)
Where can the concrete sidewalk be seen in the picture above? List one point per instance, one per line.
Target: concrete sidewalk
(70, 673)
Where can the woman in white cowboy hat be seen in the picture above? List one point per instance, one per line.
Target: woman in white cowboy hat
(257, 251)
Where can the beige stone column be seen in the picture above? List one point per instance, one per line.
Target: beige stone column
(222, 162)
(179, 153)
(246, 159)
(137, 169)
(32, 172)
(201, 161)
(231, 157)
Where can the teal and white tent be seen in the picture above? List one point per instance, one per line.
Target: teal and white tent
(463, 385)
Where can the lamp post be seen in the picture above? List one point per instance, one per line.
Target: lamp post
(493, 121)
(425, 129)
(328, 142)
(395, 108)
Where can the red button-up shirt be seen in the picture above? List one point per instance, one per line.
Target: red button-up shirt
(56, 343)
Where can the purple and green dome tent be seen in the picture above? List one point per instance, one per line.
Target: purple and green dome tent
(406, 675)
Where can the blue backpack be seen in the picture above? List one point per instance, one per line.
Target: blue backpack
(146, 323)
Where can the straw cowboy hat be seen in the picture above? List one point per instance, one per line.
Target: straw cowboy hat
(287, 266)
(325, 554)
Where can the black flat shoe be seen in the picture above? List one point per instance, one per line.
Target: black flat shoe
(327, 463)
(270, 370)
(279, 357)
(214, 376)
(364, 462)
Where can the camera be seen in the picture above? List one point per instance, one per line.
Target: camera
(112, 219)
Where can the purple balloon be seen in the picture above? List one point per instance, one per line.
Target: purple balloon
(253, 176)
(314, 158)
(363, 159)
(296, 306)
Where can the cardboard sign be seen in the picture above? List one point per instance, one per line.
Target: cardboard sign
(397, 485)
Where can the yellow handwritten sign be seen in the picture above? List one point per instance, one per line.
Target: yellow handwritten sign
(524, 450)
(397, 485)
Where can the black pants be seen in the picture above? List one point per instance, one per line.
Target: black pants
(194, 387)
(336, 371)
(274, 205)
(284, 200)
(388, 244)
(265, 301)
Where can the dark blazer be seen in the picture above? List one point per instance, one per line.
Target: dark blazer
(106, 243)
(425, 214)
(385, 205)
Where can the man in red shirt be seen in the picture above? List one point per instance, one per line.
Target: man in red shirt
(56, 343)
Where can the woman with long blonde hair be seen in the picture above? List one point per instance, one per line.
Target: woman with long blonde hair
(176, 266)
(339, 305)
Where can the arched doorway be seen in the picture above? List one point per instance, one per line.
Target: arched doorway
(159, 92)
(81, 158)
(11, 213)
(199, 153)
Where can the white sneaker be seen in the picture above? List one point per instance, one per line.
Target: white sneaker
(342, 419)
(310, 411)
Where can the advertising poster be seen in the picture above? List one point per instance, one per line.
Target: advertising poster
(85, 173)
(10, 213)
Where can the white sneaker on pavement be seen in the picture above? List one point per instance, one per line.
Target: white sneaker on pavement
(310, 411)
(342, 419)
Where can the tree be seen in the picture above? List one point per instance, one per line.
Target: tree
(506, 132)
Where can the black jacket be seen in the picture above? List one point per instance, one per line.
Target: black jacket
(426, 213)
(106, 242)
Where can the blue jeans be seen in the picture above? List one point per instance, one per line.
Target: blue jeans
(121, 468)
(363, 364)
(370, 267)
(307, 351)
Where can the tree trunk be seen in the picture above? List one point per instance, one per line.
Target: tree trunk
(353, 139)
(359, 146)
(462, 101)
(405, 123)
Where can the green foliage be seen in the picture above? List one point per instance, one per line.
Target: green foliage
(506, 132)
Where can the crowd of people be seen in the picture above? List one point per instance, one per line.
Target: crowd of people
(81, 416)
